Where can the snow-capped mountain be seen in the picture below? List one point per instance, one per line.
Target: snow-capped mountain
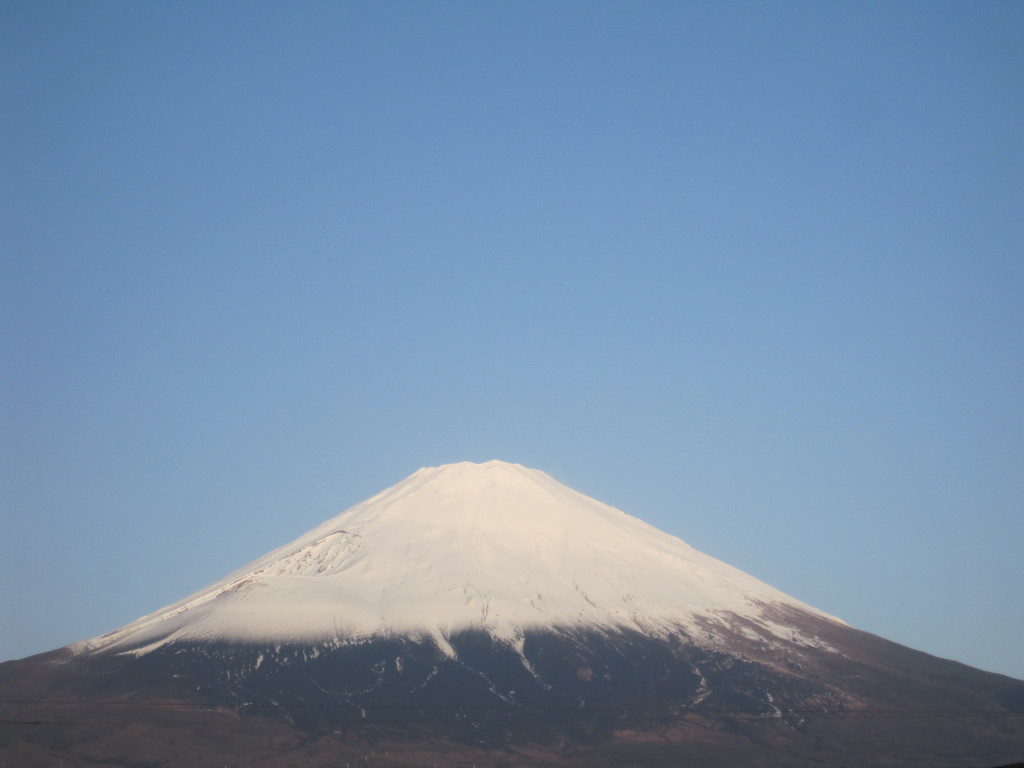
(494, 547)
(487, 614)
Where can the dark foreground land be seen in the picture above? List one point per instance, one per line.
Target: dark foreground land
(166, 735)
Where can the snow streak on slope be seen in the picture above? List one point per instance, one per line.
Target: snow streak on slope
(492, 546)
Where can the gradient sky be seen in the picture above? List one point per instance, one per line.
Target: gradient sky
(752, 272)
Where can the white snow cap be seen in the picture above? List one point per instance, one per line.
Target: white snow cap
(493, 546)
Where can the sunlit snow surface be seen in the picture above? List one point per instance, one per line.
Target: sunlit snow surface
(492, 546)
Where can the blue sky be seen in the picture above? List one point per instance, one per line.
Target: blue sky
(752, 272)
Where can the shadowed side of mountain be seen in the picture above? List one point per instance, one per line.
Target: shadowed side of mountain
(562, 694)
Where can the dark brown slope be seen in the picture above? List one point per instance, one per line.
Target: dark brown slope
(595, 699)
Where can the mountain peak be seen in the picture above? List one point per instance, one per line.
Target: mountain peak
(468, 476)
(473, 467)
(471, 477)
(494, 546)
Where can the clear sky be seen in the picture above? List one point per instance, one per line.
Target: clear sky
(753, 272)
